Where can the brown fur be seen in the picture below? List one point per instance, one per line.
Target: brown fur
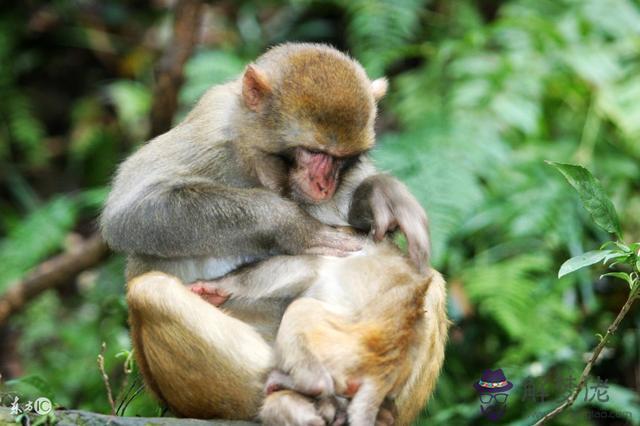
(325, 93)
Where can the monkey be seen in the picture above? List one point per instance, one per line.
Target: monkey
(219, 176)
(271, 163)
(368, 322)
(193, 381)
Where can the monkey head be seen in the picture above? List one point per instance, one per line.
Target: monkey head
(315, 108)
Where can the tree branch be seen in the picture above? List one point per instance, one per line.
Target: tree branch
(77, 417)
(169, 75)
(633, 295)
(64, 267)
(52, 273)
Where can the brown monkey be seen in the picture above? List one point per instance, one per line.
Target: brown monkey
(261, 166)
(355, 329)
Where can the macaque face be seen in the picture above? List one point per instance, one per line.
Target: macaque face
(318, 114)
(316, 156)
(314, 175)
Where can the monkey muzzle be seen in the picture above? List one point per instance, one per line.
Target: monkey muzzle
(317, 174)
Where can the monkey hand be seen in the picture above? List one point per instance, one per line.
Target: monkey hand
(387, 414)
(330, 241)
(210, 291)
(383, 204)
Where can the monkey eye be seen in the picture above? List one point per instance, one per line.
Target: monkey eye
(351, 161)
(286, 156)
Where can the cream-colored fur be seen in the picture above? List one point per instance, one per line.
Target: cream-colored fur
(205, 363)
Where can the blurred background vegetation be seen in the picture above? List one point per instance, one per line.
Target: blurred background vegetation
(482, 92)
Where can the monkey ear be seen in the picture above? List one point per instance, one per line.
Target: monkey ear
(255, 87)
(379, 87)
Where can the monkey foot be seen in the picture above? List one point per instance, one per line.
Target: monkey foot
(210, 292)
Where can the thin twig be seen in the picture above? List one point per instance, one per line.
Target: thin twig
(633, 295)
(105, 379)
(52, 273)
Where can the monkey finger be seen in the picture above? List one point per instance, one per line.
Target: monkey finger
(290, 408)
(414, 228)
(419, 256)
(340, 419)
(385, 417)
(215, 300)
(327, 251)
(419, 250)
(331, 411)
(346, 243)
(384, 224)
(387, 413)
(335, 239)
(381, 213)
(210, 292)
(276, 381)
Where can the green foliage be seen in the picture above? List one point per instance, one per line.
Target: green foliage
(133, 103)
(592, 195)
(40, 234)
(579, 262)
(380, 29)
(206, 68)
(605, 216)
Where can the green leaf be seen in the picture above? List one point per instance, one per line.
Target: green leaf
(585, 259)
(35, 382)
(620, 257)
(592, 195)
(35, 237)
(621, 275)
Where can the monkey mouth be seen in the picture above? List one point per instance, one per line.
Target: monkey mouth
(317, 174)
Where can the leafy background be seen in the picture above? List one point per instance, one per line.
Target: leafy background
(482, 92)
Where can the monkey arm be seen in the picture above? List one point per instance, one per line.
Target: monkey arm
(381, 203)
(276, 277)
(195, 217)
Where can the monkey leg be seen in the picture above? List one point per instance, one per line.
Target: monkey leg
(365, 405)
(296, 346)
(200, 361)
(419, 387)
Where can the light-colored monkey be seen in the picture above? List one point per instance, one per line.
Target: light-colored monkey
(378, 342)
(356, 328)
(262, 166)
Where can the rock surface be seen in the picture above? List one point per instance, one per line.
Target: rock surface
(85, 418)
